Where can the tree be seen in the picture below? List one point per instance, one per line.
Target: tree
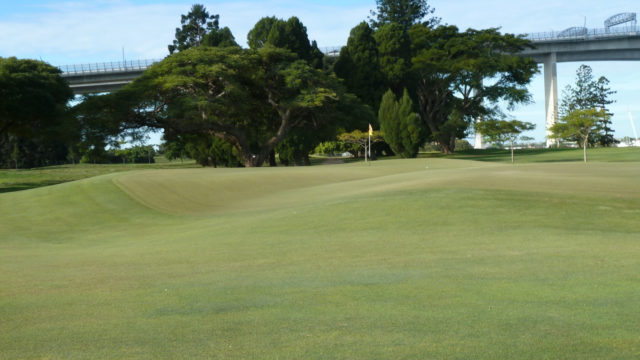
(290, 34)
(34, 120)
(359, 65)
(220, 37)
(360, 139)
(603, 93)
(461, 76)
(33, 96)
(501, 131)
(195, 25)
(579, 125)
(588, 93)
(405, 13)
(250, 99)
(394, 48)
(401, 127)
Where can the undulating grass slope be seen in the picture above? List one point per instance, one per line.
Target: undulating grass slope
(423, 258)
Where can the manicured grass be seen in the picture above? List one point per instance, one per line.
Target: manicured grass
(423, 258)
(21, 179)
(550, 155)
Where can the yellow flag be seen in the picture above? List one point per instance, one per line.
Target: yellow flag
(370, 130)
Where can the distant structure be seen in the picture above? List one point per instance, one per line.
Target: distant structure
(619, 40)
(619, 19)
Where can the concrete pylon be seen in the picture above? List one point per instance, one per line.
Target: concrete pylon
(550, 94)
(479, 141)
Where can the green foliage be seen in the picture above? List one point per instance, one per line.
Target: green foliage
(35, 126)
(401, 127)
(588, 93)
(395, 55)
(134, 155)
(357, 140)
(195, 26)
(290, 34)
(501, 131)
(250, 99)
(220, 37)
(449, 67)
(332, 148)
(405, 13)
(578, 125)
(359, 65)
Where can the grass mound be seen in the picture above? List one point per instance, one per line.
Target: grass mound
(425, 258)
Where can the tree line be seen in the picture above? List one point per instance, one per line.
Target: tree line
(402, 71)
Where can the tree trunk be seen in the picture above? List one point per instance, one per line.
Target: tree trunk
(448, 145)
(272, 158)
(584, 148)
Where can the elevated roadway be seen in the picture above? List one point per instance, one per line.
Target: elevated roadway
(579, 44)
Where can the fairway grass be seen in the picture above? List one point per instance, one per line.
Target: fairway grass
(402, 259)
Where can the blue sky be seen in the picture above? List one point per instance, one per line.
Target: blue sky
(73, 32)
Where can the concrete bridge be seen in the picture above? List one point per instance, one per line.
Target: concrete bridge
(578, 44)
(103, 77)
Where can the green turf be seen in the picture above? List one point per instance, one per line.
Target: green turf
(24, 179)
(421, 259)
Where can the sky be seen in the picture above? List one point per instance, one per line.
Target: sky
(90, 31)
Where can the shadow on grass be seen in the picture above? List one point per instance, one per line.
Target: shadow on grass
(28, 185)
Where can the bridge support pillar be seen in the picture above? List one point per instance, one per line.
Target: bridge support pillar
(550, 94)
(479, 140)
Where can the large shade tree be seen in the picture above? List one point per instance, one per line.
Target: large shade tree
(250, 99)
(35, 128)
(464, 75)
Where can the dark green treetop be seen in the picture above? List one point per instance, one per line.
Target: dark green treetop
(405, 13)
(195, 25)
(401, 127)
(288, 34)
(359, 65)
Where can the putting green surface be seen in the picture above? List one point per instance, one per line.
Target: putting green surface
(422, 258)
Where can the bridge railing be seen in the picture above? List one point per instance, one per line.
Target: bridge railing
(585, 33)
(107, 67)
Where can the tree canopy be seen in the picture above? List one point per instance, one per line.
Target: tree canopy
(359, 65)
(34, 121)
(588, 93)
(288, 34)
(195, 25)
(401, 127)
(250, 99)
(405, 13)
(464, 75)
(578, 126)
(501, 131)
